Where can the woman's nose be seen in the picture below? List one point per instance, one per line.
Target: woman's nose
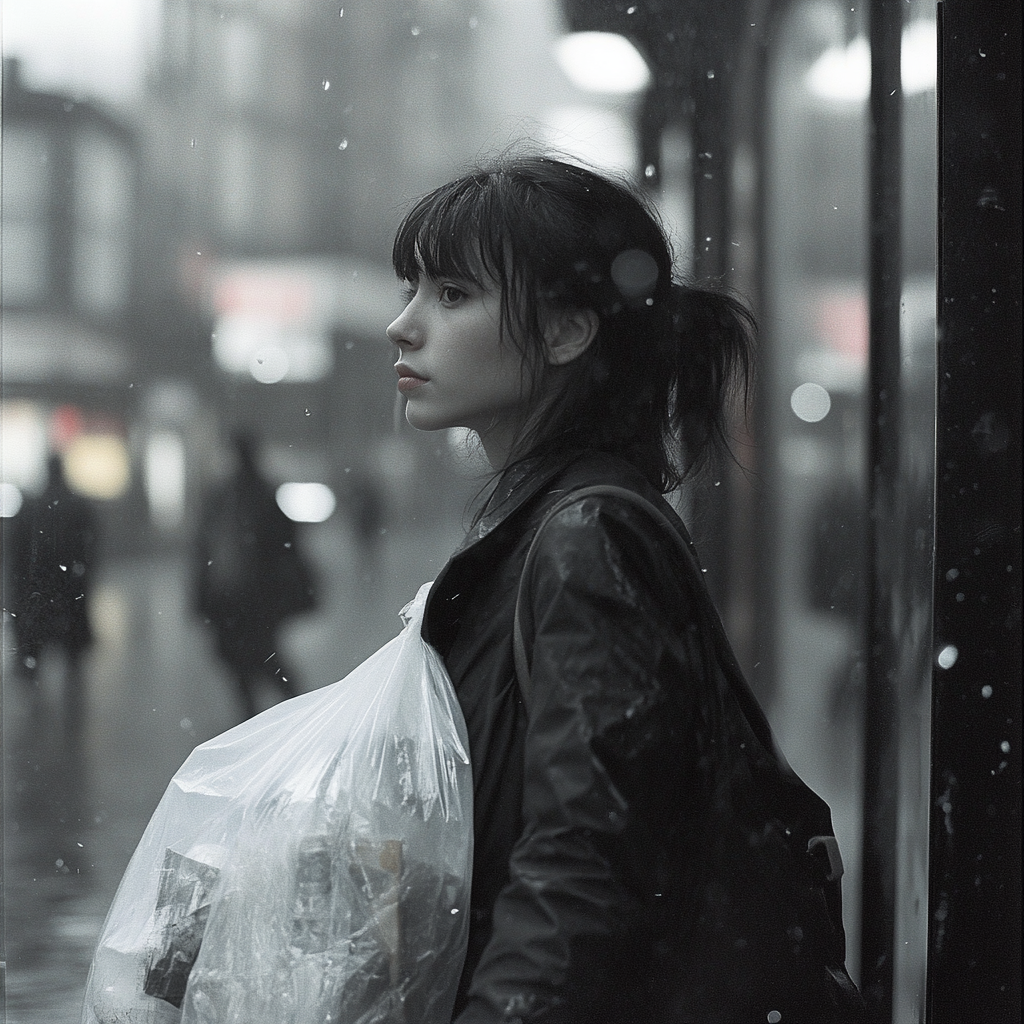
(402, 332)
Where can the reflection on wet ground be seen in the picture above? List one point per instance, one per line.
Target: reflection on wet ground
(85, 765)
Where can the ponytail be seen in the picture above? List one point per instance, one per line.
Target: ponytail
(713, 335)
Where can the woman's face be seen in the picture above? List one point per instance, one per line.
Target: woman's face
(452, 366)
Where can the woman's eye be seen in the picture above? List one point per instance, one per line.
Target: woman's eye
(449, 294)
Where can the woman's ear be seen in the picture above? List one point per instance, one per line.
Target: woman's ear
(568, 334)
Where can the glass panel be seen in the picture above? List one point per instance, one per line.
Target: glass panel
(814, 386)
(277, 143)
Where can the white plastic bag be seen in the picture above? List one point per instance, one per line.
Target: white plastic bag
(311, 865)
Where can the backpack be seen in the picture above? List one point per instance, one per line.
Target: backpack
(761, 936)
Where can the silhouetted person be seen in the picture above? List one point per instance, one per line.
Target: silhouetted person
(52, 567)
(366, 513)
(250, 576)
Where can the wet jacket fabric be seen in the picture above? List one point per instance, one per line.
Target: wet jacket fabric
(589, 869)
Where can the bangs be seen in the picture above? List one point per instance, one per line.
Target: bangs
(455, 232)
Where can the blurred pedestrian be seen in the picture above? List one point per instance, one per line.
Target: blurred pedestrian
(365, 504)
(52, 567)
(250, 576)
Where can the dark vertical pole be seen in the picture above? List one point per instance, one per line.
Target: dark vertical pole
(974, 942)
(712, 208)
(881, 722)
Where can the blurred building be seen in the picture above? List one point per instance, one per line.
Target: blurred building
(69, 205)
(282, 144)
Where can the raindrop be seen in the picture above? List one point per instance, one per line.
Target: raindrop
(192, 143)
(947, 656)
(343, 144)
(952, 575)
(308, 413)
(186, 724)
(986, 691)
(455, 910)
(774, 1017)
(326, 84)
(415, 30)
(1005, 746)
(634, 272)
(811, 402)
(341, 13)
(649, 171)
(631, 10)
(711, 74)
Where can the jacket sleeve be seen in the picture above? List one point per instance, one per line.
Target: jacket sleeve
(611, 751)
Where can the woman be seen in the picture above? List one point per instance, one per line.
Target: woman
(640, 849)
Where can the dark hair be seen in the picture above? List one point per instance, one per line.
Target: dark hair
(654, 384)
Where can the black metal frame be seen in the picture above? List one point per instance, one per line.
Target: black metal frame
(975, 855)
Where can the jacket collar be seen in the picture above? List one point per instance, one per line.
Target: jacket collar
(515, 487)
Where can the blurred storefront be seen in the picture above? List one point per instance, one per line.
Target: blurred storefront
(69, 175)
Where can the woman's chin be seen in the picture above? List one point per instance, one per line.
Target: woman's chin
(421, 419)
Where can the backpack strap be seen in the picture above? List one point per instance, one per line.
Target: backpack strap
(709, 615)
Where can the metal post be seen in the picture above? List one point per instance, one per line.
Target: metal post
(881, 706)
(974, 944)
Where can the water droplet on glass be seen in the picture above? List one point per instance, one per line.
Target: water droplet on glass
(711, 74)
(343, 144)
(326, 84)
(341, 13)
(192, 143)
(1005, 746)
(631, 10)
(986, 691)
(810, 402)
(947, 656)
(650, 171)
(415, 30)
(308, 413)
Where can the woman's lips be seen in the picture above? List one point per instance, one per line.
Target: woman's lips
(407, 380)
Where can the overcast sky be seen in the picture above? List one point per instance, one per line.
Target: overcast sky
(95, 48)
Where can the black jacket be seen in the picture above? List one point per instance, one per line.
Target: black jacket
(591, 808)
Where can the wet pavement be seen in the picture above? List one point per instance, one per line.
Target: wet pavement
(85, 765)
